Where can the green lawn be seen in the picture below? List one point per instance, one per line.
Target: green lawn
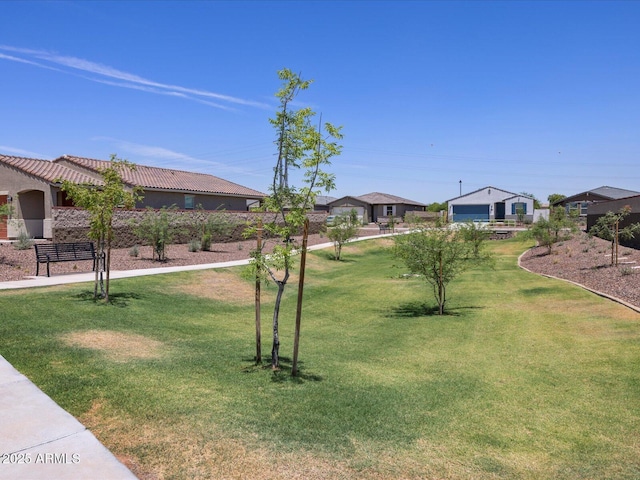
(525, 377)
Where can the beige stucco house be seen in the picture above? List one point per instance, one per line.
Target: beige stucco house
(31, 186)
(375, 205)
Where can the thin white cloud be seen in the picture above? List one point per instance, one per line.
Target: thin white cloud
(161, 92)
(130, 80)
(27, 62)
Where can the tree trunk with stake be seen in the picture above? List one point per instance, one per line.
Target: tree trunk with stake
(275, 349)
(257, 299)
(303, 261)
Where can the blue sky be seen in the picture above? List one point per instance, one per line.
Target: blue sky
(538, 97)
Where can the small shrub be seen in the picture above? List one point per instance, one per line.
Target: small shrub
(23, 241)
(195, 246)
(134, 251)
(205, 242)
(624, 271)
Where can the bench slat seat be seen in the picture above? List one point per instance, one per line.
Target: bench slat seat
(64, 252)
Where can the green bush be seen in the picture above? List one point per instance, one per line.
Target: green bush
(23, 241)
(195, 246)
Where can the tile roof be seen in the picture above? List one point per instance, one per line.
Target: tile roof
(613, 192)
(46, 170)
(491, 188)
(168, 179)
(376, 198)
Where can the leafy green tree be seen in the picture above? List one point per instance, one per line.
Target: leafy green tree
(549, 231)
(102, 201)
(345, 227)
(158, 228)
(475, 234)
(608, 228)
(536, 202)
(6, 210)
(438, 255)
(299, 145)
(555, 197)
(437, 207)
(208, 225)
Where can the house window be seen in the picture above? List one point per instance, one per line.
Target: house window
(189, 202)
(518, 207)
(389, 210)
(580, 207)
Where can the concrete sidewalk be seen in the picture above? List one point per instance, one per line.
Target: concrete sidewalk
(41, 441)
(63, 279)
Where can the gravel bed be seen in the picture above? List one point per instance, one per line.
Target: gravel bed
(21, 264)
(587, 261)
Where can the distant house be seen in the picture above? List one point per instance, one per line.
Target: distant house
(490, 204)
(322, 203)
(580, 202)
(372, 206)
(32, 187)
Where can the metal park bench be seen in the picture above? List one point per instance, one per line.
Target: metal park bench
(384, 227)
(64, 252)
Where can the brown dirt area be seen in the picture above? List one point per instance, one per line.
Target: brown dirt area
(587, 261)
(21, 264)
(117, 346)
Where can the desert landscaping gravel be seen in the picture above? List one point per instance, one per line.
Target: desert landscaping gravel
(21, 264)
(587, 261)
(583, 260)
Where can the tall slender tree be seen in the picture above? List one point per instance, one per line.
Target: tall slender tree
(102, 200)
(299, 145)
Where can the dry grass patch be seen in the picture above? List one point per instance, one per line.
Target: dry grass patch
(219, 285)
(116, 346)
(202, 453)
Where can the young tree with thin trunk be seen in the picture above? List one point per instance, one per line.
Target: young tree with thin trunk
(608, 228)
(102, 201)
(158, 227)
(558, 227)
(299, 145)
(438, 255)
(345, 227)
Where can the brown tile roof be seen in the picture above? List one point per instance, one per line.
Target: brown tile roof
(168, 179)
(377, 198)
(46, 170)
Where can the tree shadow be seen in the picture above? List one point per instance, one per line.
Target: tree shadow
(329, 255)
(413, 309)
(120, 300)
(283, 373)
(424, 309)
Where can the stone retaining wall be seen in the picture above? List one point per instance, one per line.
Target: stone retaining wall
(72, 225)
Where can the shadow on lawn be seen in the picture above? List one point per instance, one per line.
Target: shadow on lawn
(283, 374)
(120, 300)
(329, 254)
(424, 309)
